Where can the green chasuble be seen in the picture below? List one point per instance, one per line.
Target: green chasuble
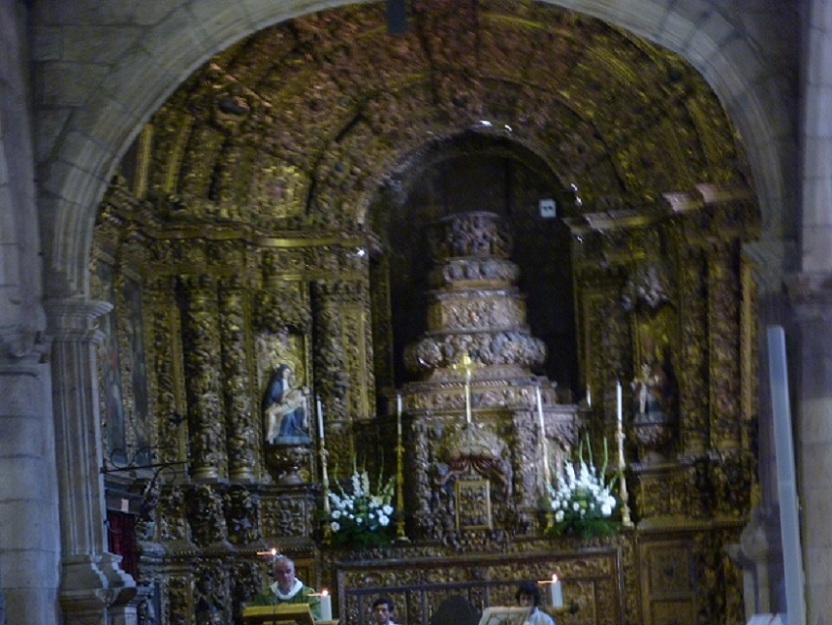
(268, 597)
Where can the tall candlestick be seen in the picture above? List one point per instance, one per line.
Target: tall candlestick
(326, 606)
(324, 474)
(468, 396)
(619, 430)
(400, 534)
(544, 447)
(320, 420)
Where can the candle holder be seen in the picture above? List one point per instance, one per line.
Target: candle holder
(324, 472)
(467, 365)
(400, 532)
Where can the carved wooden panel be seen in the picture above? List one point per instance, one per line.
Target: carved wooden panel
(419, 579)
(667, 583)
(473, 510)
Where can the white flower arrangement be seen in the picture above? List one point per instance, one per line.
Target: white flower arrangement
(583, 502)
(361, 517)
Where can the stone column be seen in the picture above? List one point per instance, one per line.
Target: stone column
(814, 434)
(202, 367)
(93, 585)
(811, 374)
(29, 543)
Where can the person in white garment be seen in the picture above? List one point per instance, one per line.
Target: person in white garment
(528, 596)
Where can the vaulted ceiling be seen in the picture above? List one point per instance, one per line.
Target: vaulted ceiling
(306, 122)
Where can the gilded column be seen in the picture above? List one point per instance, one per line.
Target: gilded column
(202, 385)
(693, 390)
(164, 364)
(240, 420)
(331, 368)
(725, 355)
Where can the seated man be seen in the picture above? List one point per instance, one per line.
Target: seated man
(383, 611)
(288, 589)
(528, 595)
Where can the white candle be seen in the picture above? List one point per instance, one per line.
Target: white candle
(619, 424)
(399, 415)
(326, 606)
(588, 397)
(557, 592)
(544, 447)
(320, 420)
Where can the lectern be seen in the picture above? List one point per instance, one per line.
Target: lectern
(280, 614)
(500, 615)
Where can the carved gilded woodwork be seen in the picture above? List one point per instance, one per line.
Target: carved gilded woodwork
(263, 173)
(240, 412)
(268, 314)
(206, 516)
(202, 383)
(725, 335)
(694, 400)
(669, 592)
(592, 580)
(472, 456)
(242, 511)
(290, 512)
(172, 515)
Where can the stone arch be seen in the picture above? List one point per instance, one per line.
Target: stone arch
(130, 81)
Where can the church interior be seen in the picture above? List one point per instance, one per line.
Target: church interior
(365, 210)
(447, 262)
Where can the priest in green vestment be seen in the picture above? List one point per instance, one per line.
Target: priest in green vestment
(288, 589)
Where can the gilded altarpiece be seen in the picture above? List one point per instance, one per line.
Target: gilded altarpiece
(227, 463)
(665, 309)
(224, 312)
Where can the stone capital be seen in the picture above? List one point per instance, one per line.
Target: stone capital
(22, 346)
(773, 259)
(810, 294)
(75, 318)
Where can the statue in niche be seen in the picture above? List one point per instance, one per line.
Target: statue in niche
(652, 391)
(653, 402)
(285, 409)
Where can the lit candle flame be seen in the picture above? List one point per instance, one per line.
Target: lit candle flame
(271, 552)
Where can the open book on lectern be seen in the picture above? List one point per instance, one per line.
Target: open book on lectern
(279, 614)
(500, 615)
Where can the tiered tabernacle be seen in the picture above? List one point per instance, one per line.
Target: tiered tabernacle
(484, 429)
